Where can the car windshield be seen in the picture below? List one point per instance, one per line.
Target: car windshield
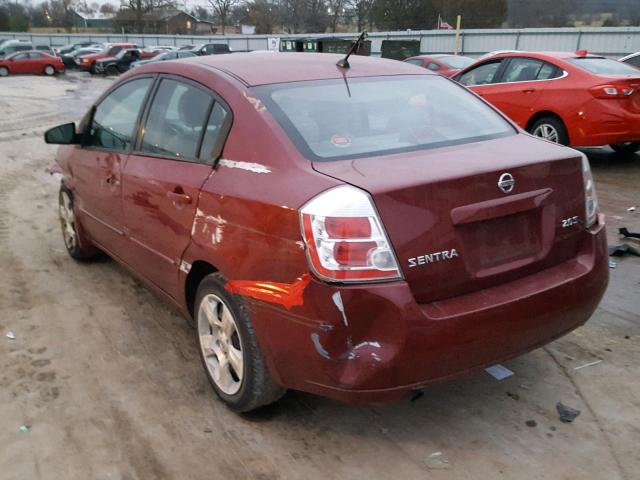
(333, 119)
(603, 66)
(457, 62)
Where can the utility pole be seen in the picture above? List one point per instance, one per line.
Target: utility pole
(456, 48)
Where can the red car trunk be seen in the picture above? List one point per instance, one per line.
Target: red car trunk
(454, 230)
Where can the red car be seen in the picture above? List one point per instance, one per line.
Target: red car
(447, 65)
(88, 62)
(357, 232)
(31, 61)
(574, 99)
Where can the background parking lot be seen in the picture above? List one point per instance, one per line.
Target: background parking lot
(107, 377)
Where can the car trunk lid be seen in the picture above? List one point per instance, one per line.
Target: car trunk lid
(454, 230)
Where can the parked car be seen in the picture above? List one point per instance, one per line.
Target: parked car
(88, 62)
(118, 64)
(447, 65)
(187, 47)
(211, 49)
(71, 47)
(633, 59)
(158, 48)
(173, 55)
(11, 46)
(356, 236)
(45, 49)
(71, 60)
(574, 99)
(30, 61)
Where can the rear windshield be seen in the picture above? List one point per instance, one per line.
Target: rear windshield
(336, 119)
(603, 66)
(457, 62)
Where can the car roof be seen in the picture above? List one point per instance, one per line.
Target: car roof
(543, 55)
(266, 68)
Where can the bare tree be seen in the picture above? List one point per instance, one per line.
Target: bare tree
(362, 9)
(335, 11)
(222, 9)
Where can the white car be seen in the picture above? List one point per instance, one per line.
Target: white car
(633, 59)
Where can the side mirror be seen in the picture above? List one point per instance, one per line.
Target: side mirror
(62, 135)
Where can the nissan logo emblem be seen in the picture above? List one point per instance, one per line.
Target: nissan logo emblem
(506, 182)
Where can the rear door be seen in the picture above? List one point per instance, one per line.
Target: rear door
(97, 164)
(36, 62)
(184, 128)
(521, 86)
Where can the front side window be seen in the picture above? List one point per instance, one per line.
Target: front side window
(330, 120)
(176, 120)
(433, 66)
(21, 56)
(481, 75)
(116, 116)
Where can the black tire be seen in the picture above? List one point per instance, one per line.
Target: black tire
(256, 386)
(49, 70)
(628, 148)
(112, 70)
(81, 248)
(92, 69)
(554, 126)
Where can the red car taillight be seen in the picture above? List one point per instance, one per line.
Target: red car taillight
(345, 239)
(611, 91)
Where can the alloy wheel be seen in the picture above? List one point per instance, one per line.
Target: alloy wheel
(220, 343)
(547, 131)
(49, 70)
(4, 71)
(67, 221)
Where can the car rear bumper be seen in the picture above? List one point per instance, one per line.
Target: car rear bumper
(604, 123)
(386, 344)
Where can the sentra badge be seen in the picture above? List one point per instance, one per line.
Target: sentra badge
(433, 258)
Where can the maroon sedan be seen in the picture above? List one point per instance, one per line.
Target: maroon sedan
(357, 233)
(31, 61)
(444, 64)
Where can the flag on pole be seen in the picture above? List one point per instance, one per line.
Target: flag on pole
(442, 25)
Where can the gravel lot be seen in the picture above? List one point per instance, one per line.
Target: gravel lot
(108, 377)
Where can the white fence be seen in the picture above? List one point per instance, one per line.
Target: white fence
(612, 42)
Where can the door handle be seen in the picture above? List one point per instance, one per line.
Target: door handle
(529, 90)
(179, 198)
(112, 180)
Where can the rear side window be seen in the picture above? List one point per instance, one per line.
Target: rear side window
(176, 120)
(603, 66)
(635, 61)
(214, 133)
(34, 56)
(481, 75)
(116, 116)
(433, 66)
(331, 119)
(415, 61)
(522, 70)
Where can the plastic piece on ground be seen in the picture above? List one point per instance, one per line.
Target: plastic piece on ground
(286, 294)
(567, 414)
(11, 335)
(499, 372)
(626, 233)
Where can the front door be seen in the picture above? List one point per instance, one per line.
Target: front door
(97, 165)
(162, 179)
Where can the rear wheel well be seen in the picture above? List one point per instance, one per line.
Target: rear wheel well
(199, 270)
(544, 113)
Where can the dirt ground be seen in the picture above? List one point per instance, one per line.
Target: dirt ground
(108, 379)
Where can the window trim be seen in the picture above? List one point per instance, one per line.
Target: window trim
(506, 64)
(499, 72)
(136, 127)
(220, 140)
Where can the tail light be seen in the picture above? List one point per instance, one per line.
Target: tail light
(590, 197)
(612, 91)
(345, 239)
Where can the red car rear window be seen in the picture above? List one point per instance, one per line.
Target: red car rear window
(338, 119)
